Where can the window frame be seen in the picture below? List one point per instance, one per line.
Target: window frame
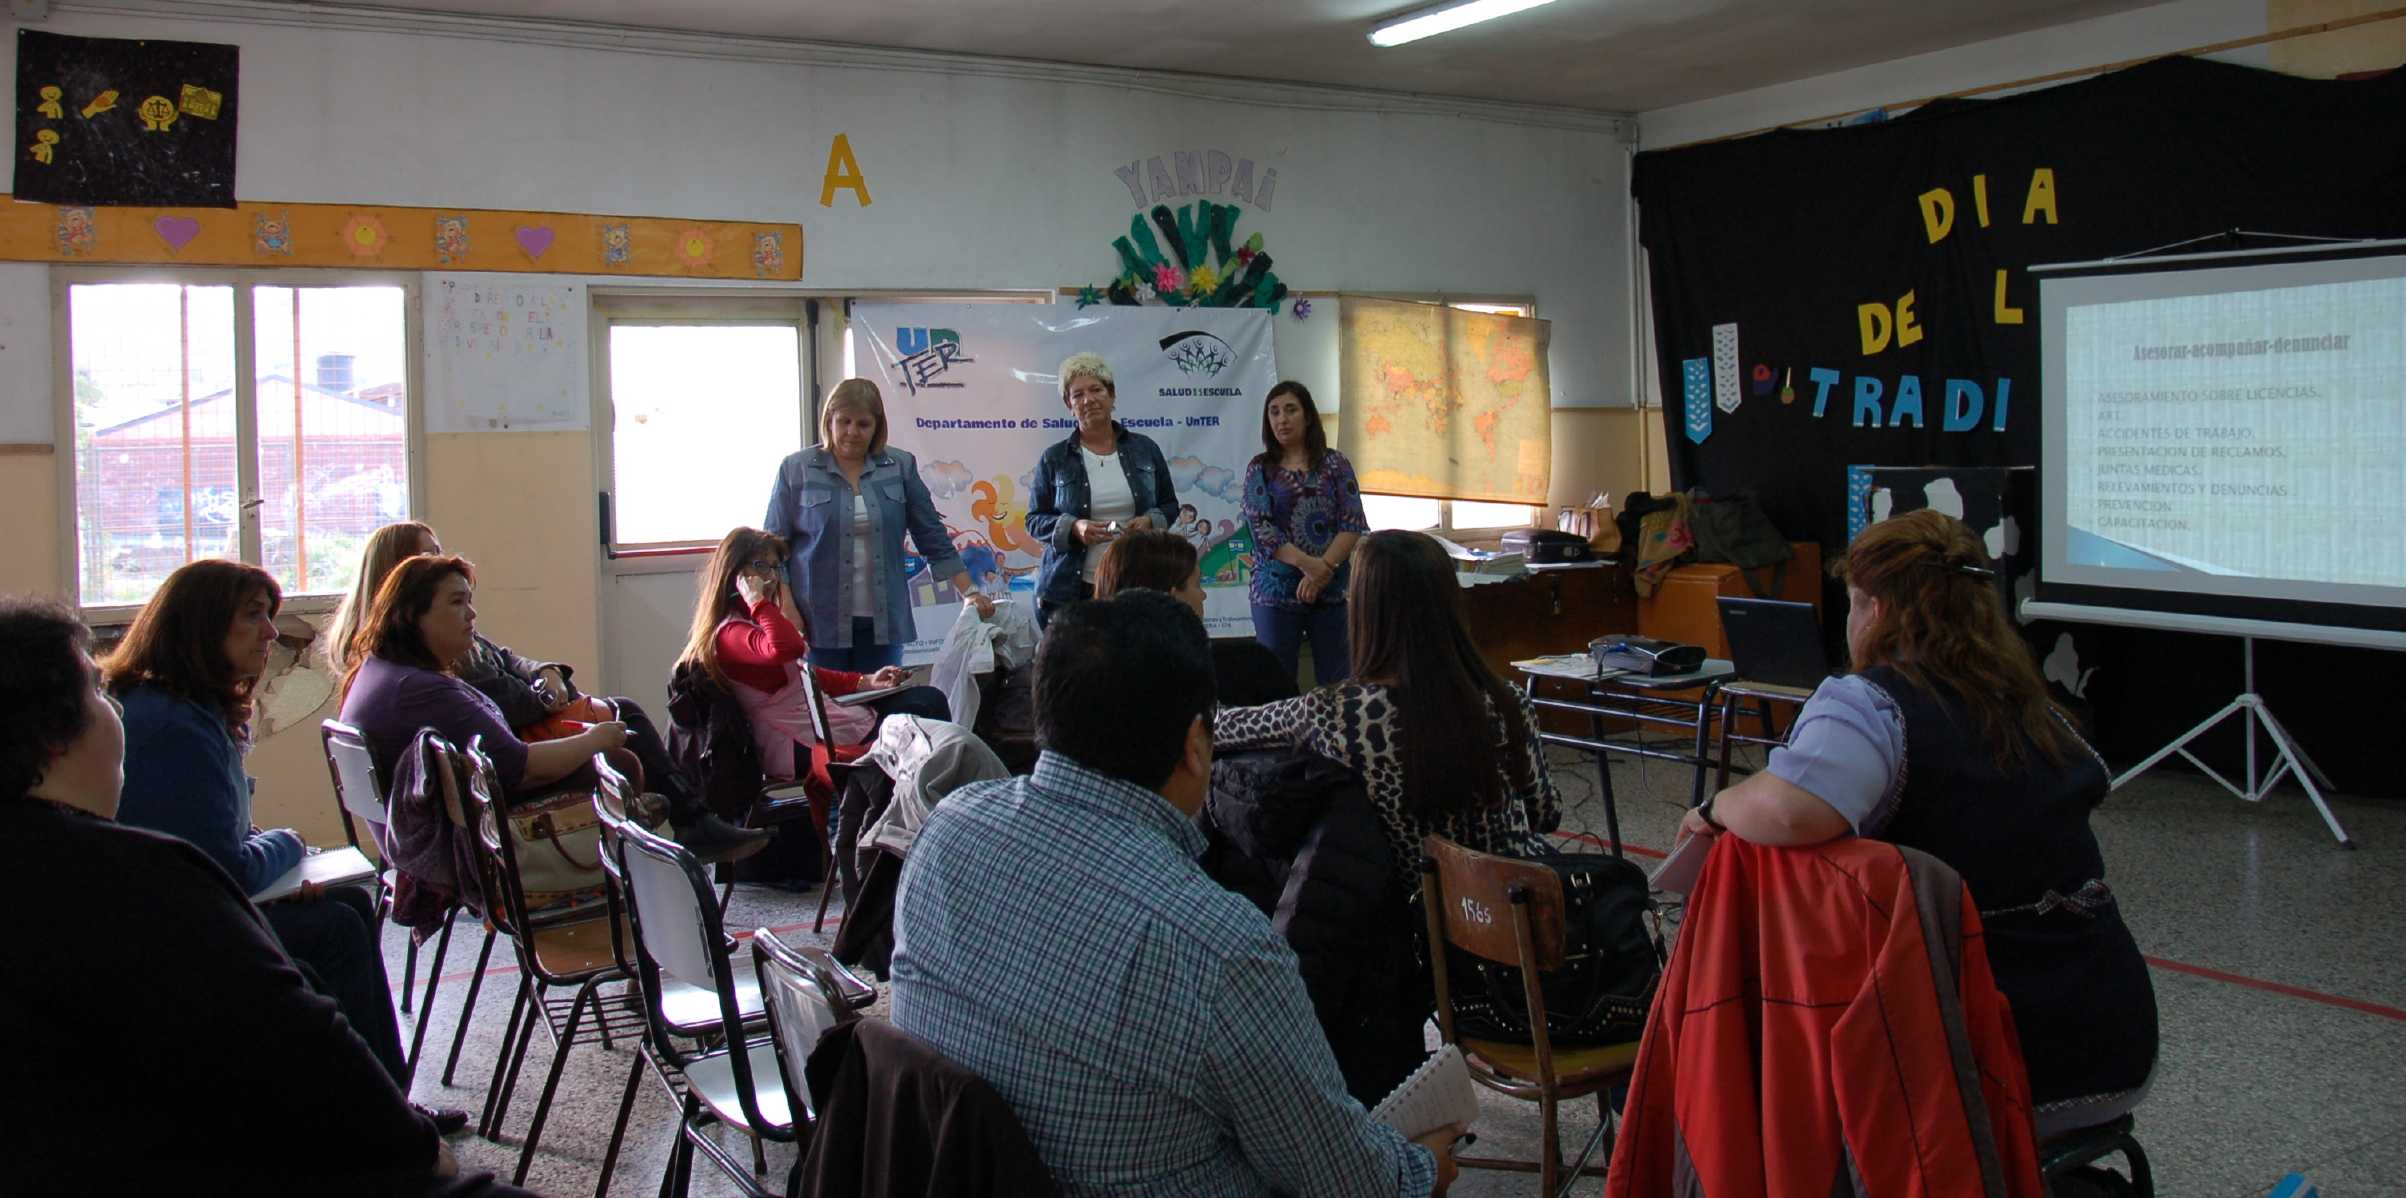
(714, 307)
(244, 281)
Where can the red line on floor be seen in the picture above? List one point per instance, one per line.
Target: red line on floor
(1601, 843)
(2236, 979)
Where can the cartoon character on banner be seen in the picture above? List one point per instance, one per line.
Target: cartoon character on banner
(768, 254)
(993, 507)
(616, 245)
(450, 239)
(76, 233)
(271, 233)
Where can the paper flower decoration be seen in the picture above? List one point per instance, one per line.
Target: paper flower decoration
(694, 247)
(1088, 296)
(1303, 309)
(1144, 292)
(1204, 280)
(364, 236)
(1166, 278)
(1244, 255)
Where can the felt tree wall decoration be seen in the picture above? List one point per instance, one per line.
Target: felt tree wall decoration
(1189, 258)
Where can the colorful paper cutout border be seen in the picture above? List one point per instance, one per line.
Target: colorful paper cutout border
(381, 236)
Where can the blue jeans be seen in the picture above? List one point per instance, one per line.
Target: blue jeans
(1284, 630)
(865, 656)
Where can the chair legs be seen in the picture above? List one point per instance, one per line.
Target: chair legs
(561, 1043)
(818, 924)
(485, 1122)
(434, 976)
(618, 1130)
(467, 1010)
(409, 971)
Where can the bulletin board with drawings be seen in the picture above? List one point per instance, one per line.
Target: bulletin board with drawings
(505, 353)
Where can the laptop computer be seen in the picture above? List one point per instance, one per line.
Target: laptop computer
(1774, 641)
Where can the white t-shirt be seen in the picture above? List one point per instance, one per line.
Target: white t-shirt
(1107, 496)
(863, 557)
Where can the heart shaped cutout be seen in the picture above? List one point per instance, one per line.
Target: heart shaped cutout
(534, 239)
(177, 231)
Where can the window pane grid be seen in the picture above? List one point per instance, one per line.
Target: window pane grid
(160, 478)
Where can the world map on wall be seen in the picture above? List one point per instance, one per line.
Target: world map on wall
(1437, 401)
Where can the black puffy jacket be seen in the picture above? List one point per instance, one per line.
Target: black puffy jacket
(1295, 833)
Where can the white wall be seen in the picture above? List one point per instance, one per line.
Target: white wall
(979, 180)
(2142, 33)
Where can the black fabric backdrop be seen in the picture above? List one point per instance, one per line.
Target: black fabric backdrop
(1786, 234)
(117, 154)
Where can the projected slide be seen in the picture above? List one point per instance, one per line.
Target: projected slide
(2235, 438)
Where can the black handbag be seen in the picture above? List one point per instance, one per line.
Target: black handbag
(1609, 970)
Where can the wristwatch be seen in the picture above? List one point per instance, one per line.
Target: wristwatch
(1705, 809)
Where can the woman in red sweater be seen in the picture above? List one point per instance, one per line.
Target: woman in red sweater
(752, 641)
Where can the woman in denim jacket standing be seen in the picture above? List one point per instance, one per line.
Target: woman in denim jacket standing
(1099, 482)
(843, 505)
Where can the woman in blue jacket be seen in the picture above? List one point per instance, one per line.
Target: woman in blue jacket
(1097, 483)
(187, 674)
(843, 506)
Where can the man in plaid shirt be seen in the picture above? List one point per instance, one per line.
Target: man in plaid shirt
(1055, 936)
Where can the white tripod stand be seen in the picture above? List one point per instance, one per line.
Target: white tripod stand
(2286, 756)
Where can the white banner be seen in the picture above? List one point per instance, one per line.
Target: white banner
(971, 390)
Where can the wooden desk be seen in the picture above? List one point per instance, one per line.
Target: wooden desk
(1535, 614)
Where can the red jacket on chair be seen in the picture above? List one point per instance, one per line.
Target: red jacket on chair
(1828, 1025)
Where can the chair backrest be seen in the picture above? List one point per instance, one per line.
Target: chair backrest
(678, 936)
(358, 791)
(612, 794)
(797, 988)
(818, 708)
(471, 783)
(676, 917)
(1477, 894)
(1499, 909)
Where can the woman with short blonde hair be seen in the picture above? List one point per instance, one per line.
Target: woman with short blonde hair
(1092, 486)
(844, 505)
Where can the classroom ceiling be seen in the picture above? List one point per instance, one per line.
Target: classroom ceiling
(1606, 55)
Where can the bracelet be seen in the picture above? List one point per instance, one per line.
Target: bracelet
(1705, 809)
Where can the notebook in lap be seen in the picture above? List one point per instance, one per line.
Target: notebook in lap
(1774, 641)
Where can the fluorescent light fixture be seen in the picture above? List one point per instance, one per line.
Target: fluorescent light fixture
(1445, 18)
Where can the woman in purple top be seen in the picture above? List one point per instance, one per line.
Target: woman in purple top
(1306, 513)
(404, 678)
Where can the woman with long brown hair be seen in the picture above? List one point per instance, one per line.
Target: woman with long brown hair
(403, 678)
(1305, 508)
(384, 550)
(2000, 788)
(539, 699)
(1445, 746)
(748, 637)
(1245, 670)
(187, 673)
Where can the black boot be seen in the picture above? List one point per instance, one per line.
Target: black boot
(713, 840)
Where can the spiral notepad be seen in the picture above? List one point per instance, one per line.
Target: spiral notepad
(1438, 1094)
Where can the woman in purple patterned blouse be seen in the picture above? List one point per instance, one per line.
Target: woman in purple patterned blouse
(1306, 511)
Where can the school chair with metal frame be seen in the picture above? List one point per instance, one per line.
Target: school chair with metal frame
(554, 953)
(359, 792)
(719, 1066)
(1510, 912)
(805, 1000)
(691, 1011)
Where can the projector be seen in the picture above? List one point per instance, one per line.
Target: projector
(1645, 656)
